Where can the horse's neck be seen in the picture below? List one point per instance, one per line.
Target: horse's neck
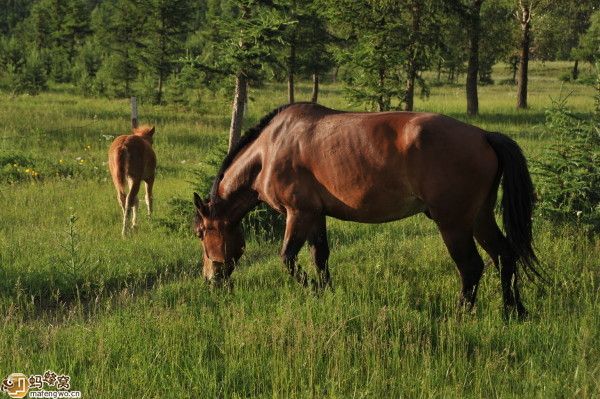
(236, 187)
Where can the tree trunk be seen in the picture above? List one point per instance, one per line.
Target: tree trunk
(237, 113)
(575, 70)
(525, 18)
(315, 89)
(409, 95)
(380, 100)
(291, 70)
(291, 88)
(134, 113)
(410, 92)
(334, 75)
(160, 88)
(473, 66)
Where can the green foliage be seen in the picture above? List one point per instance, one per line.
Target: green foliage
(31, 78)
(497, 37)
(569, 173)
(118, 27)
(122, 317)
(589, 43)
(374, 77)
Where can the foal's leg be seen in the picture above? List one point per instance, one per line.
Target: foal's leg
(149, 184)
(131, 204)
(297, 228)
(319, 249)
(121, 197)
(492, 240)
(461, 246)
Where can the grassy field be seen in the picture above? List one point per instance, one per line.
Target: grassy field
(133, 318)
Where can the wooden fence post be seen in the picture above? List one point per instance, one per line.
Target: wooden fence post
(134, 113)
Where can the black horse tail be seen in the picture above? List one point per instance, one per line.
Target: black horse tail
(518, 201)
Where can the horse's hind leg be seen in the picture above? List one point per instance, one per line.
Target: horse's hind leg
(131, 204)
(148, 197)
(121, 197)
(461, 246)
(297, 228)
(492, 240)
(319, 249)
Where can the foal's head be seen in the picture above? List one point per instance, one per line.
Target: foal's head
(222, 240)
(145, 131)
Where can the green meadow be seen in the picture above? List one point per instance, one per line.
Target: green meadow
(134, 319)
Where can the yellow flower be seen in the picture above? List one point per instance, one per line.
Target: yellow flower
(61, 161)
(27, 170)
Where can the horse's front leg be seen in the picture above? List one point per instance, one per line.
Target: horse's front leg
(297, 228)
(319, 249)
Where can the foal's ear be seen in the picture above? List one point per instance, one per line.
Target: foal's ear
(150, 132)
(200, 205)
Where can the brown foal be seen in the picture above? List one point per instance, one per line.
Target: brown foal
(308, 162)
(131, 159)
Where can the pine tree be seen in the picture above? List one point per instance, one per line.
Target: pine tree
(305, 44)
(119, 26)
(248, 32)
(164, 37)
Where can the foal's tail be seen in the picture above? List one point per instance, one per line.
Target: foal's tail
(517, 202)
(118, 168)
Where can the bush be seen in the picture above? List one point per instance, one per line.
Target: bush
(31, 78)
(568, 176)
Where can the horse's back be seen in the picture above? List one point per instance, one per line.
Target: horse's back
(132, 157)
(376, 166)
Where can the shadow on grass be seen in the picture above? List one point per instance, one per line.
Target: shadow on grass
(38, 296)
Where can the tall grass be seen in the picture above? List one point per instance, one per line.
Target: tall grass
(133, 318)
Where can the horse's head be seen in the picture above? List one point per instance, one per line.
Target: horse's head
(145, 131)
(222, 241)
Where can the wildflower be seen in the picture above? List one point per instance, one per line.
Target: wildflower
(27, 170)
(61, 161)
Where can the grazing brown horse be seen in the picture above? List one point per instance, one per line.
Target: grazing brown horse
(308, 162)
(132, 159)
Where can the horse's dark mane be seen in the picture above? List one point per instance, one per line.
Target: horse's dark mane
(249, 136)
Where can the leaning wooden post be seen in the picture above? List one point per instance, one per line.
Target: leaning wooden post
(134, 113)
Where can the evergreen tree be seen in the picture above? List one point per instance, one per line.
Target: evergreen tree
(164, 37)
(306, 44)
(248, 32)
(469, 12)
(372, 56)
(119, 27)
(588, 48)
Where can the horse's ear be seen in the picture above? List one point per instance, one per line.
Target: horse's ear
(151, 131)
(200, 205)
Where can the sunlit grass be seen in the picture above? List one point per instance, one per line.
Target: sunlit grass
(133, 318)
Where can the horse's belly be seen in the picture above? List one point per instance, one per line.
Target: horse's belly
(375, 210)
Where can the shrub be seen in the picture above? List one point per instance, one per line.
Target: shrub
(31, 78)
(568, 177)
